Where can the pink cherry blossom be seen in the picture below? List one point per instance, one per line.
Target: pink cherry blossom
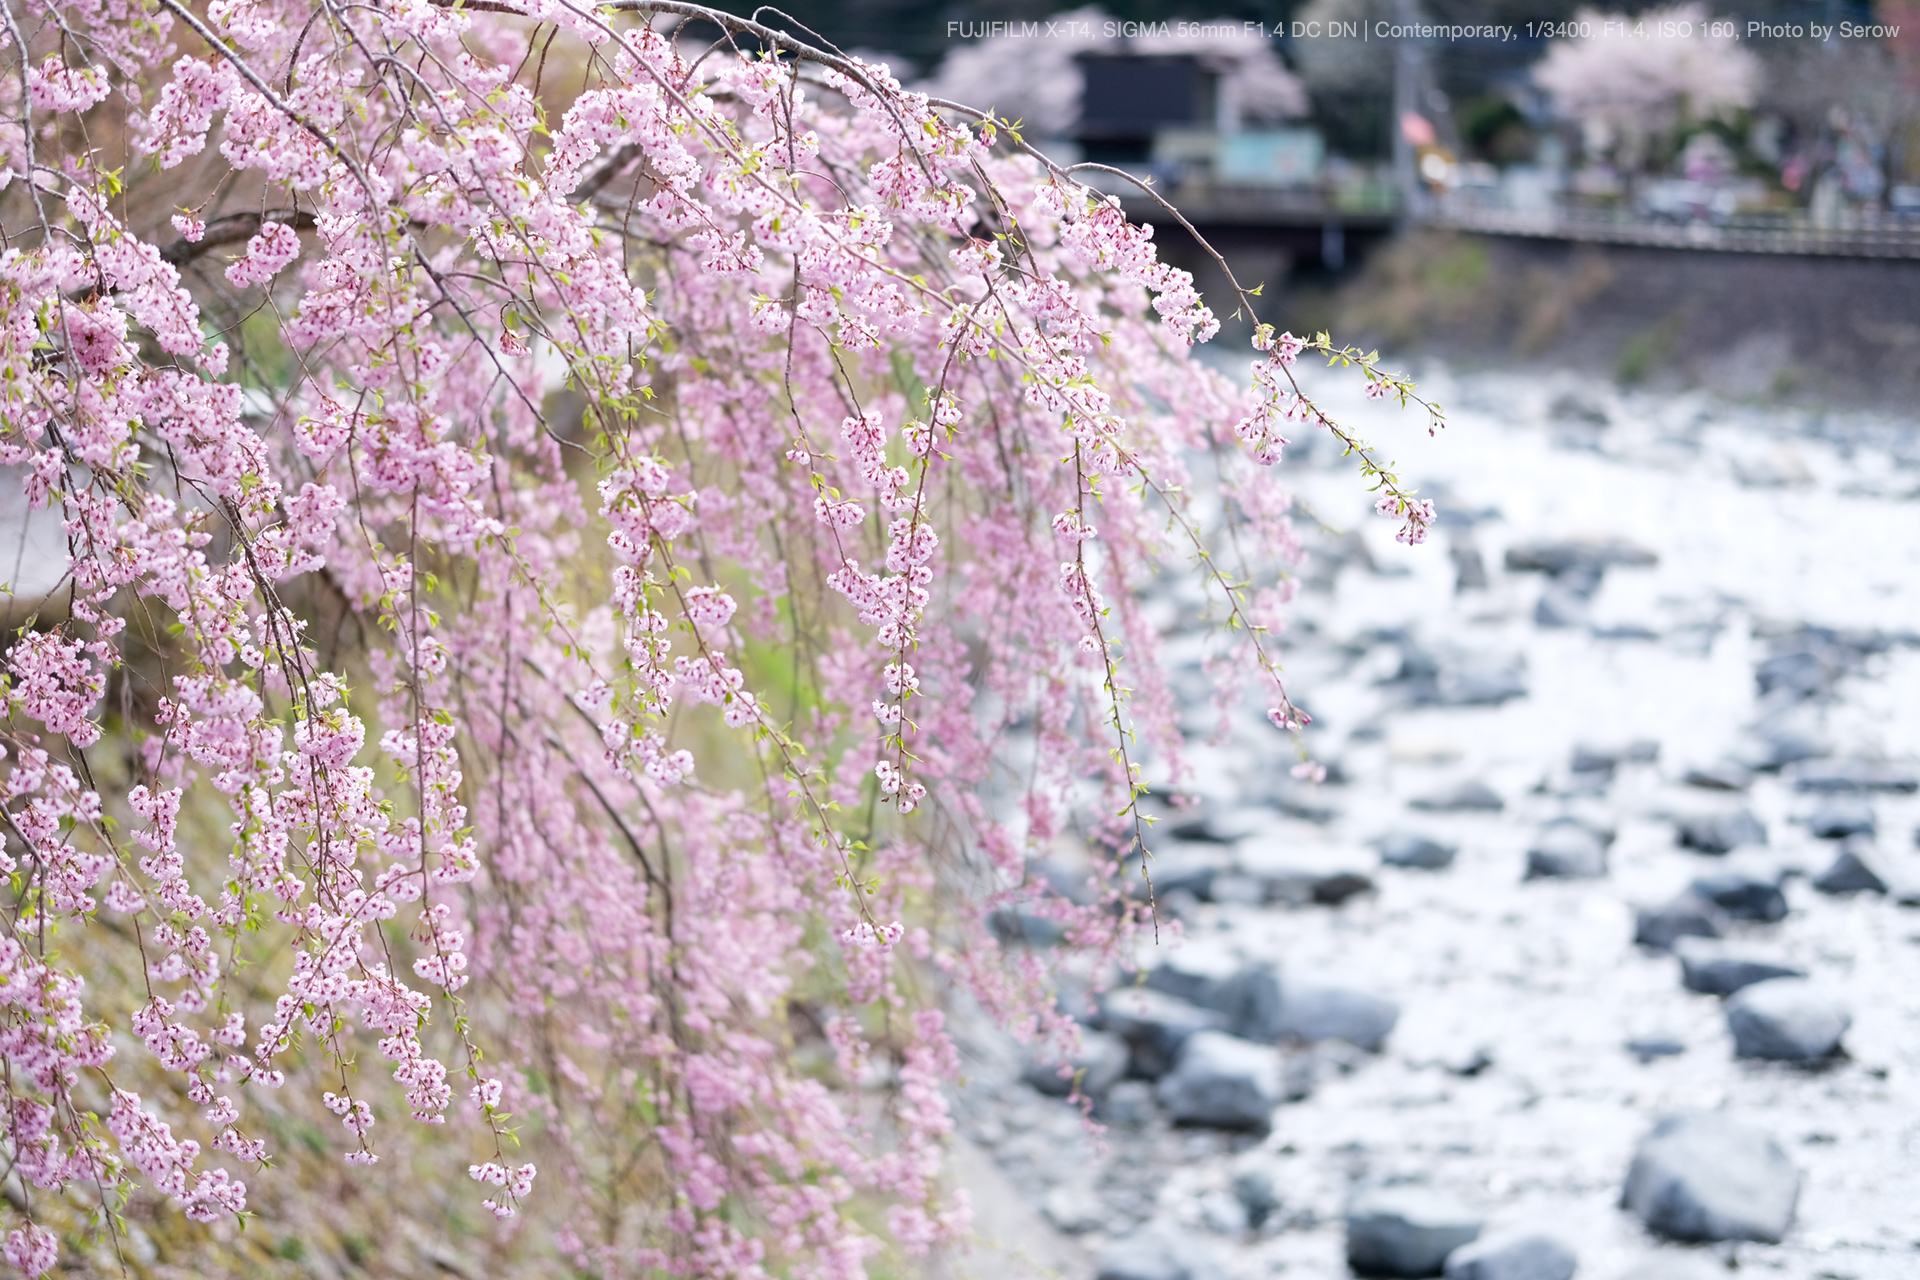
(554, 638)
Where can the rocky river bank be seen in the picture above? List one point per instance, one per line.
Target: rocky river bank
(1596, 951)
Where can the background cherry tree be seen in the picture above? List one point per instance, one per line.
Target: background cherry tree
(1630, 89)
(563, 519)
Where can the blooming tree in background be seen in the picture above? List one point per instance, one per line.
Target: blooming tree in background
(1628, 88)
(562, 523)
(1037, 83)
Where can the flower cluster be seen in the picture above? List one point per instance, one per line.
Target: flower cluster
(578, 799)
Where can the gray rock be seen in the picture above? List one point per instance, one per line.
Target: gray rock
(1720, 832)
(1306, 804)
(1786, 1020)
(1098, 1066)
(1580, 555)
(1562, 605)
(1128, 1105)
(1843, 816)
(1213, 825)
(1705, 1176)
(1647, 1048)
(1588, 758)
(1072, 881)
(1583, 782)
(1725, 776)
(1255, 1191)
(1223, 1213)
(1679, 1266)
(1024, 928)
(1457, 678)
(1313, 1012)
(1405, 1231)
(1468, 797)
(1255, 1002)
(1402, 849)
(1469, 568)
(1239, 890)
(1224, 1082)
(1075, 1210)
(1332, 890)
(1830, 776)
(1569, 407)
(1512, 1256)
(1313, 885)
(1687, 916)
(1154, 1025)
(1743, 896)
(1714, 969)
(1157, 1251)
(1802, 674)
(1850, 873)
(1567, 850)
(1778, 747)
(1182, 865)
(1467, 1062)
(1200, 972)
(1481, 684)
(1176, 904)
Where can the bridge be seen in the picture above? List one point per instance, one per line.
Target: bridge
(1307, 222)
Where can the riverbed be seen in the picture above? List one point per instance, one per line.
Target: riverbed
(1766, 590)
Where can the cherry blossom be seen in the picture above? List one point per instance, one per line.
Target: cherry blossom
(549, 581)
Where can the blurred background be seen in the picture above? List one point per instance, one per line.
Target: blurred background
(1668, 196)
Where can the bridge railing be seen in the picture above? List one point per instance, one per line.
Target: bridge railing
(1852, 233)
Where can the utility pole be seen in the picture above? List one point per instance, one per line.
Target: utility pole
(1415, 202)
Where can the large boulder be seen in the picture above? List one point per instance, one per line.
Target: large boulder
(1224, 1082)
(1154, 1025)
(1705, 1176)
(1098, 1066)
(1567, 850)
(1743, 896)
(1714, 969)
(1787, 1020)
(1405, 1231)
(1512, 1256)
(1720, 832)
